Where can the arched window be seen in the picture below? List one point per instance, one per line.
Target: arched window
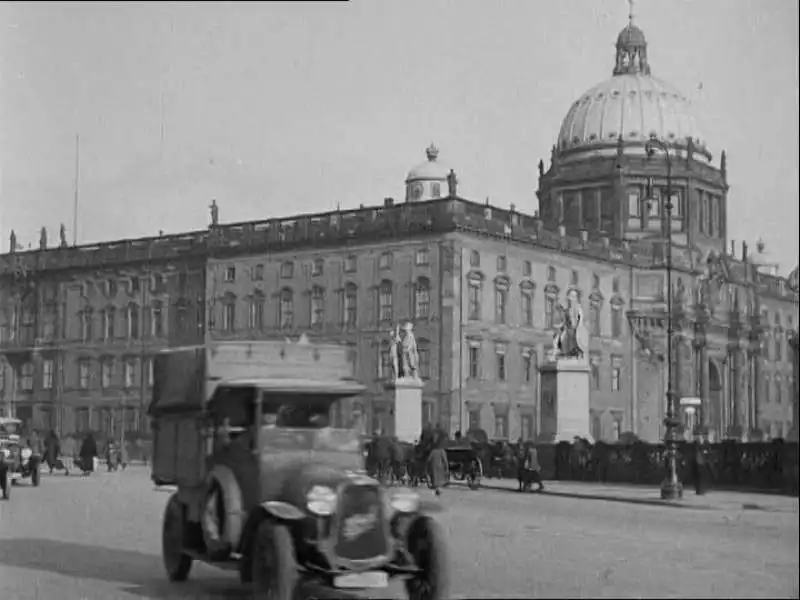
(422, 298)
(228, 314)
(385, 301)
(317, 306)
(256, 311)
(350, 305)
(109, 316)
(157, 319)
(286, 309)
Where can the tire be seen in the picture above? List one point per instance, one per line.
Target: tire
(176, 562)
(274, 567)
(5, 484)
(427, 547)
(216, 545)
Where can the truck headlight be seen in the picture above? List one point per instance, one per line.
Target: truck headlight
(405, 501)
(26, 453)
(321, 500)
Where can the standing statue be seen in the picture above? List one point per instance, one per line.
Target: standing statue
(452, 182)
(572, 339)
(410, 357)
(43, 239)
(63, 235)
(12, 242)
(214, 213)
(541, 168)
(394, 341)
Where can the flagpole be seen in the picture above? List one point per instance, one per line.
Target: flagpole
(77, 181)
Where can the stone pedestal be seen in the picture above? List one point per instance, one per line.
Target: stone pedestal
(407, 408)
(565, 400)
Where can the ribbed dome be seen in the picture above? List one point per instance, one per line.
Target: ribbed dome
(430, 170)
(631, 35)
(634, 106)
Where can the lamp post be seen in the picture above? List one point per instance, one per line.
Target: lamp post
(671, 488)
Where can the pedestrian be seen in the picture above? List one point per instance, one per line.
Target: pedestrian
(68, 452)
(438, 466)
(530, 471)
(699, 468)
(88, 453)
(52, 451)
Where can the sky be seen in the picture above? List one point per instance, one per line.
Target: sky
(276, 108)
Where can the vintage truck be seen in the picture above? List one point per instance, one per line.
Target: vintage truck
(267, 488)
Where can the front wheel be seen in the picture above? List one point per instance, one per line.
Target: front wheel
(427, 547)
(274, 570)
(176, 562)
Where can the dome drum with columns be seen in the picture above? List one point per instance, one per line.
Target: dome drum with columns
(601, 179)
(428, 180)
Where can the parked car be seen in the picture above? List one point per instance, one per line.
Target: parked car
(17, 460)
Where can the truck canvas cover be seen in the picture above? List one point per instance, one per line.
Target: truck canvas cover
(184, 379)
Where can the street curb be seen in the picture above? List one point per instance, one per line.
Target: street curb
(641, 501)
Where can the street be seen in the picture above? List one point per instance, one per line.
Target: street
(99, 538)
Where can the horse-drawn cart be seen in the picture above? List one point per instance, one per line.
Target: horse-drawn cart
(465, 463)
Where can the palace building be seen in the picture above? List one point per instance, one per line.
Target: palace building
(481, 284)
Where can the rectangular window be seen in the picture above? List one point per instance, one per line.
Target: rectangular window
(594, 363)
(527, 269)
(318, 267)
(287, 270)
(474, 302)
(616, 322)
(385, 303)
(258, 273)
(549, 312)
(529, 365)
(634, 209)
(501, 300)
(500, 354)
(501, 264)
(351, 306)
(83, 374)
(474, 419)
(384, 362)
(526, 427)
(108, 324)
(107, 373)
(130, 373)
(474, 362)
(230, 274)
(150, 373)
(527, 308)
(256, 317)
(475, 259)
(157, 320)
(47, 374)
(501, 426)
(424, 362)
(421, 257)
(616, 379)
(350, 264)
(594, 318)
(229, 317)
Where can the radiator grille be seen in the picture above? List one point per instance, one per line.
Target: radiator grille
(361, 534)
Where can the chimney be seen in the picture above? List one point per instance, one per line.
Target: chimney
(388, 202)
(744, 251)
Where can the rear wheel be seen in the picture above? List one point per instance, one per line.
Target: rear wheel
(274, 568)
(176, 562)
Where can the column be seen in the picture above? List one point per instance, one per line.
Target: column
(705, 392)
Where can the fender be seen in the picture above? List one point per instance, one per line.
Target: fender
(283, 511)
(273, 509)
(232, 503)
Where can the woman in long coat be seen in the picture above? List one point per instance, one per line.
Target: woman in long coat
(52, 451)
(438, 467)
(88, 453)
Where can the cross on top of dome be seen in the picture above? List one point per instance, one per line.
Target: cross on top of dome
(631, 49)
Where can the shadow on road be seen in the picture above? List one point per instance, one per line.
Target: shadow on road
(141, 574)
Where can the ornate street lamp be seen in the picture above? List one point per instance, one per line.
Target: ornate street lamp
(671, 488)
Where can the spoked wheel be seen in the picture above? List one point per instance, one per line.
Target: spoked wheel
(274, 569)
(427, 547)
(176, 562)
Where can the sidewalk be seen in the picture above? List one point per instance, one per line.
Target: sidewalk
(635, 494)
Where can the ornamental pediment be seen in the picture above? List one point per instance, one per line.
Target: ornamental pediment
(502, 281)
(528, 285)
(476, 276)
(551, 289)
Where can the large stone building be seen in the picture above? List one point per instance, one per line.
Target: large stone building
(481, 284)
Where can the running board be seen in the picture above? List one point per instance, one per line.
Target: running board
(231, 564)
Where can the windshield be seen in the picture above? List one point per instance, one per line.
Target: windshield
(9, 428)
(297, 411)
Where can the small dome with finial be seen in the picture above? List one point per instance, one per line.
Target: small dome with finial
(427, 180)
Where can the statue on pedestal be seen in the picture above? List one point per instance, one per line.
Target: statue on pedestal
(394, 341)
(214, 213)
(572, 339)
(43, 239)
(452, 182)
(410, 356)
(63, 235)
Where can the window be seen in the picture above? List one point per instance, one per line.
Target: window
(474, 356)
(501, 426)
(501, 264)
(130, 373)
(677, 204)
(255, 320)
(385, 261)
(318, 267)
(111, 288)
(500, 304)
(133, 322)
(287, 270)
(421, 257)
(527, 269)
(551, 274)
(633, 205)
(616, 321)
(594, 365)
(529, 362)
(83, 373)
(351, 305)
(258, 273)
(527, 307)
(157, 319)
(422, 299)
(150, 373)
(134, 285)
(2, 381)
(182, 318)
(594, 318)
(436, 190)
(317, 306)
(574, 278)
(616, 367)
(229, 274)
(424, 351)
(549, 312)
(778, 389)
(474, 301)
(616, 428)
(350, 264)
(615, 285)
(654, 207)
(384, 361)
(474, 419)
(86, 325)
(385, 301)
(500, 354)
(26, 379)
(286, 309)
(47, 374)
(526, 427)
(106, 373)
(108, 324)
(228, 315)
(475, 259)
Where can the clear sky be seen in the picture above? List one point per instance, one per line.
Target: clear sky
(274, 108)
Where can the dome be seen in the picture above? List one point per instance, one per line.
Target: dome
(632, 106)
(430, 170)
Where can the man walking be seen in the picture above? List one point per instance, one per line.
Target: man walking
(52, 450)
(530, 469)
